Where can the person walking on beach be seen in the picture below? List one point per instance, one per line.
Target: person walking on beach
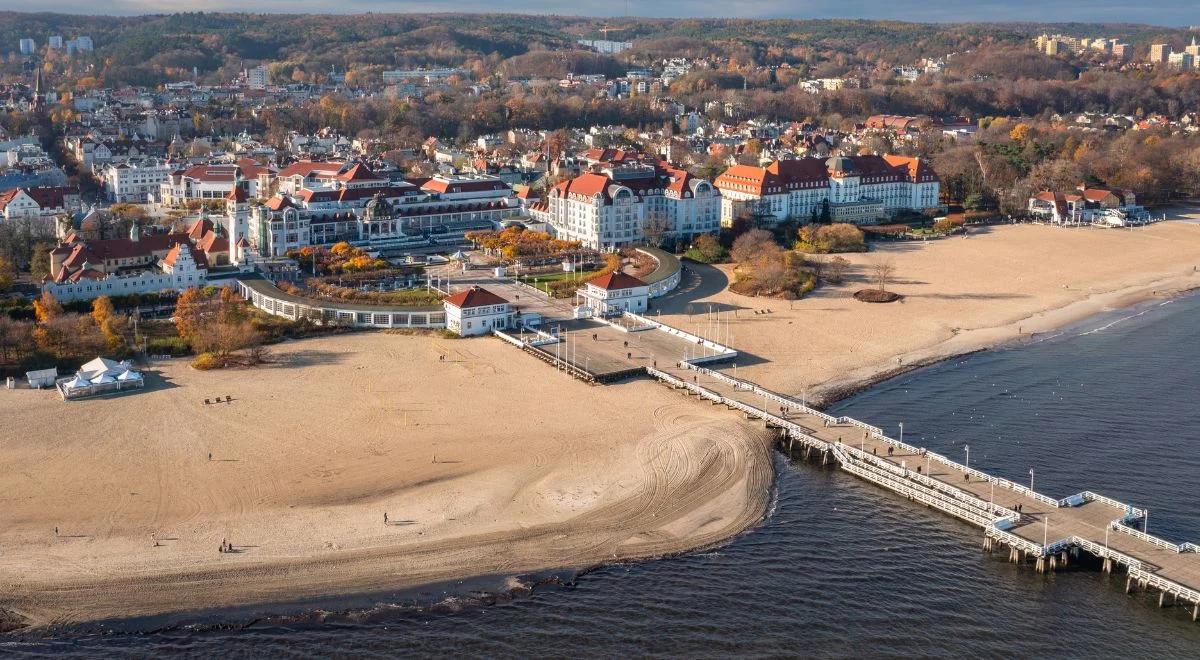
(385, 518)
(56, 530)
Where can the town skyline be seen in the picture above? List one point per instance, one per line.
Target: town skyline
(1170, 13)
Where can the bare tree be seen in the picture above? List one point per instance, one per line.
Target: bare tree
(655, 228)
(882, 272)
(834, 270)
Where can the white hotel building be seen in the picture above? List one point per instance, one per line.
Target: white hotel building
(324, 203)
(623, 204)
(135, 182)
(859, 189)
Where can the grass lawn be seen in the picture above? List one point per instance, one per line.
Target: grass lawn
(543, 281)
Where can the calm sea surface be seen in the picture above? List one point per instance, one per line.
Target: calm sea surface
(841, 568)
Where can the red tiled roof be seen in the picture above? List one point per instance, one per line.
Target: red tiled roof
(199, 228)
(197, 256)
(616, 280)
(212, 173)
(439, 185)
(588, 185)
(122, 248)
(306, 168)
(474, 297)
(278, 202)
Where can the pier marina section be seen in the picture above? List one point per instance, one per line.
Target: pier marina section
(1029, 526)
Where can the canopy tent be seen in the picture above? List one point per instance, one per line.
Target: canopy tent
(100, 376)
(128, 375)
(459, 256)
(102, 366)
(78, 382)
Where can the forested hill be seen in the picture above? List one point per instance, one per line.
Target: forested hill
(149, 50)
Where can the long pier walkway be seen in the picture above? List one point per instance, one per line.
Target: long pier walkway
(1032, 527)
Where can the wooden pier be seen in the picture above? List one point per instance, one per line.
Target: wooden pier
(1030, 526)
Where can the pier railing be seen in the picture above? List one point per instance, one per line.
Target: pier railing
(1163, 584)
(1154, 540)
(875, 432)
(1106, 552)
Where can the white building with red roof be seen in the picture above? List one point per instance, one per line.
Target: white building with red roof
(615, 293)
(213, 182)
(82, 270)
(859, 189)
(38, 202)
(477, 311)
(629, 200)
(1086, 204)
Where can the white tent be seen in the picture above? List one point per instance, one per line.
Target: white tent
(459, 256)
(128, 375)
(77, 382)
(101, 366)
(104, 379)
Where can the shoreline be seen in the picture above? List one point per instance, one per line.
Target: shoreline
(1012, 334)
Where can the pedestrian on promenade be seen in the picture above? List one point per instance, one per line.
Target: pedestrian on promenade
(56, 530)
(385, 518)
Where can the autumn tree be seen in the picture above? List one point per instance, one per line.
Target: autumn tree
(39, 261)
(751, 244)
(16, 339)
(46, 308)
(215, 322)
(109, 323)
(707, 249)
(8, 274)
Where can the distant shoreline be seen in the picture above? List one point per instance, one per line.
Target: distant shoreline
(1014, 334)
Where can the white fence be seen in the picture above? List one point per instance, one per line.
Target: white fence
(1169, 586)
(509, 338)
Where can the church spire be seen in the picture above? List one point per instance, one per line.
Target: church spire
(37, 89)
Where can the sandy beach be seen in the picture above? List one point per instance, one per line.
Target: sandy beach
(489, 462)
(1000, 284)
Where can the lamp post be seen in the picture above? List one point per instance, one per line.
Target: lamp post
(967, 448)
(902, 432)
(1031, 479)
